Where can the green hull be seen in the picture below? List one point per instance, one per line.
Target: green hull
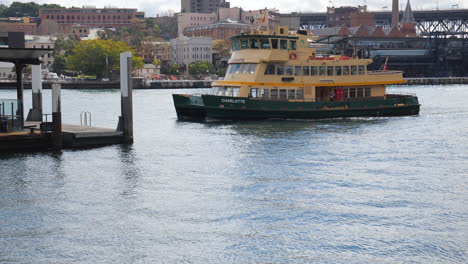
(220, 107)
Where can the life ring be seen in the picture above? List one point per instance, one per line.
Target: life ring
(292, 56)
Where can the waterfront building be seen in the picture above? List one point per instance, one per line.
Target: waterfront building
(42, 42)
(18, 24)
(194, 19)
(219, 30)
(185, 50)
(154, 50)
(61, 19)
(202, 6)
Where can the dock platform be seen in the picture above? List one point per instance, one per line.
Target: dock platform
(73, 136)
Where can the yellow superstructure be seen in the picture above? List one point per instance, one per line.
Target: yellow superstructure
(283, 66)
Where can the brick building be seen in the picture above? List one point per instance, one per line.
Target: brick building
(90, 16)
(18, 24)
(220, 30)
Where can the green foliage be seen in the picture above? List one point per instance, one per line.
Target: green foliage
(156, 62)
(100, 57)
(222, 47)
(19, 9)
(59, 65)
(64, 45)
(170, 69)
(200, 67)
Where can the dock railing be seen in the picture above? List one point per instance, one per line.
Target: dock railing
(9, 118)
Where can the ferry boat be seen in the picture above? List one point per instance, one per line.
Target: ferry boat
(279, 75)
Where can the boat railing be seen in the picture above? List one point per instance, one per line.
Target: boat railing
(400, 95)
(383, 72)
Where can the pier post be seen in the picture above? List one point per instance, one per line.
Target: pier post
(126, 118)
(35, 114)
(56, 117)
(19, 92)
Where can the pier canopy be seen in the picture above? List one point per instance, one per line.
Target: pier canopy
(21, 57)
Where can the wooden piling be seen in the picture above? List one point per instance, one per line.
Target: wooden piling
(56, 118)
(126, 118)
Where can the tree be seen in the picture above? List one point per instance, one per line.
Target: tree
(59, 65)
(19, 9)
(64, 45)
(170, 69)
(100, 57)
(221, 47)
(200, 67)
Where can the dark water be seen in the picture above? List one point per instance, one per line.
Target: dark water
(365, 190)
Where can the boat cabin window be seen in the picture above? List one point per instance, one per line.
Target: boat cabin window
(297, 70)
(313, 70)
(283, 44)
(235, 91)
(280, 70)
(244, 44)
(338, 70)
(274, 94)
(252, 68)
(214, 90)
(265, 93)
(253, 43)
(270, 69)
(359, 92)
(322, 70)
(282, 94)
(292, 94)
(265, 43)
(352, 92)
(345, 70)
(305, 70)
(292, 45)
(300, 94)
(361, 70)
(354, 70)
(367, 92)
(289, 70)
(254, 92)
(235, 44)
(330, 71)
(274, 43)
(237, 69)
(244, 68)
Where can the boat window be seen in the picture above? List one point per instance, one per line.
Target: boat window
(313, 70)
(274, 43)
(253, 43)
(244, 44)
(282, 94)
(297, 70)
(292, 44)
(214, 91)
(252, 68)
(353, 70)
(254, 93)
(235, 44)
(322, 70)
(265, 43)
(367, 92)
(337, 70)
(280, 70)
(305, 70)
(235, 91)
(300, 93)
(360, 92)
(352, 92)
(330, 71)
(345, 70)
(270, 69)
(236, 70)
(361, 70)
(265, 93)
(244, 68)
(230, 68)
(345, 93)
(225, 91)
(292, 94)
(274, 94)
(289, 70)
(283, 44)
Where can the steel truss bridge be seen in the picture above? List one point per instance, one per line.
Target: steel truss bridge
(453, 22)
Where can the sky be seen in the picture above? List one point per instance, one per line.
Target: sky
(162, 7)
